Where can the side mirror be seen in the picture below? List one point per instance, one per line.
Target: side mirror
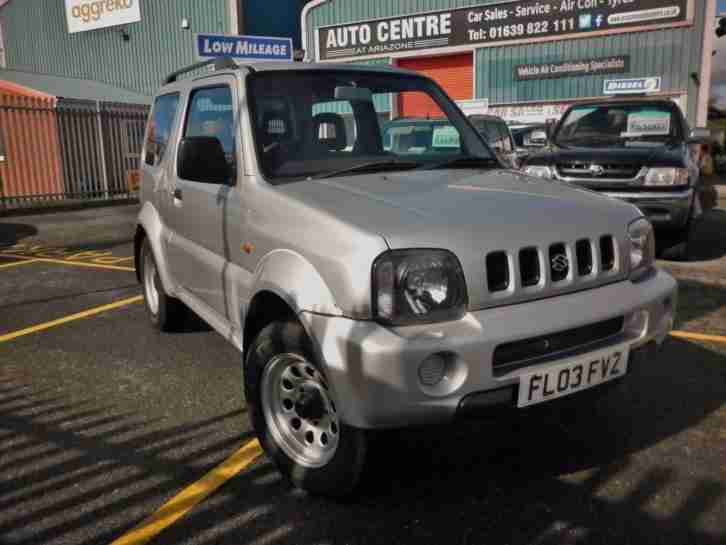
(201, 159)
(699, 135)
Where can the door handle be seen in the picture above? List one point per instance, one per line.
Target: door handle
(178, 194)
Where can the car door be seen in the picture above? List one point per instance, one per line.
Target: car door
(198, 247)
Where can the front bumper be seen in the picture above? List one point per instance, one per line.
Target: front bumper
(374, 370)
(668, 210)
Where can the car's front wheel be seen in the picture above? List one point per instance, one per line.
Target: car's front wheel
(295, 416)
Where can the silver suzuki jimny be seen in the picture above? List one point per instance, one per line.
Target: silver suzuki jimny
(372, 286)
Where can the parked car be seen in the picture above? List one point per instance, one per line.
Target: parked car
(369, 288)
(528, 139)
(414, 136)
(497, 134)
(640, 150)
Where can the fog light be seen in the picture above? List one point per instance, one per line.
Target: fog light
(636, 324)
(432, 370)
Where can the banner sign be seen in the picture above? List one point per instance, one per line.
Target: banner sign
(260, 48)
(82, 15)
(631, 86)
(494, 24)
(586, 67)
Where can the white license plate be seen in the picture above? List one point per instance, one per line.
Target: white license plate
(572, 375)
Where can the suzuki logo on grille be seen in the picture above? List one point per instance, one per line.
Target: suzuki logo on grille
(596, 170)
(560, 263)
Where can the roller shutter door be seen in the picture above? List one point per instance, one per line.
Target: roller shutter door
(455, 74)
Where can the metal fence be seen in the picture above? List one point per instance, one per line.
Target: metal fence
(67, 150)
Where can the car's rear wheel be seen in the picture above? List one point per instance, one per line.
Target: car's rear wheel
(166, 312)
(295, 416)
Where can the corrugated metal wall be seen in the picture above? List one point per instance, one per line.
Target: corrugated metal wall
(673, 54)
(37, 40)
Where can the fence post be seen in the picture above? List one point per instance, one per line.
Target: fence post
(102, 150)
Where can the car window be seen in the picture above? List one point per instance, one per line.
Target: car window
(421, 137)
(338, 120)
(161, 122)
(495, 132)
(619, 124)
(211, 114)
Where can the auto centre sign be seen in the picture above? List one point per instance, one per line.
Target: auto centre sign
(82, 15)
(499, 23)
(261, 48)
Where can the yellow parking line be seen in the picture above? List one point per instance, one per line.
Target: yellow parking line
(16, 263)
(182, 503)
(71, 318)
(698, 337)
(75, 263)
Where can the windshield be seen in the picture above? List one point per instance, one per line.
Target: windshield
(313, 124)
(619, 125)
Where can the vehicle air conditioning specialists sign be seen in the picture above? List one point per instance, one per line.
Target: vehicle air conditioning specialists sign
(83, 15)
(496, 24)
(261, 48)
(584, 67)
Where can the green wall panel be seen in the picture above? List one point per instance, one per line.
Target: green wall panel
(37, 40)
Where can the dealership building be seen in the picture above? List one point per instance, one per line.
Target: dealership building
(120, 50)
(522, 59)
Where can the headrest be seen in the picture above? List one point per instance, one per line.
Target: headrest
(275, 126)
(334, 138)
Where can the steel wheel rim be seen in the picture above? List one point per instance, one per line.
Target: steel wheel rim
(150, 289)
(294, 393)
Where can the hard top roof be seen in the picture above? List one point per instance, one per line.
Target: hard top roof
(227, 65)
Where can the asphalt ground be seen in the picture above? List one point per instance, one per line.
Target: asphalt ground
(105, 422)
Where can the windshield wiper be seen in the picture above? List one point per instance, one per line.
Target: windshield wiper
(368, 166)
(469, 161)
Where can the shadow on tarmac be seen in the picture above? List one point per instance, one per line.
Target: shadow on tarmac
(708, 242)
(12, 233)
(77, 470)
(545, 476)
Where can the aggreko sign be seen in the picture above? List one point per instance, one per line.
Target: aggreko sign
(92, 14)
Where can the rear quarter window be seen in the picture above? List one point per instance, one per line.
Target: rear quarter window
(161, 123)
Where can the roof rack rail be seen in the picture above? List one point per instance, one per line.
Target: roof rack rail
(220, 63)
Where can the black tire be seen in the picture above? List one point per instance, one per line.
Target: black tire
(677, 246)
(169, 313)
(340, 476)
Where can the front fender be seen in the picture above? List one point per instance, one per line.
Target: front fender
(150, 221)
(293, 278)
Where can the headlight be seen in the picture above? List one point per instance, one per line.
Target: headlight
(666, 176)
(418, 286)
(642, 247)
(538, 171)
